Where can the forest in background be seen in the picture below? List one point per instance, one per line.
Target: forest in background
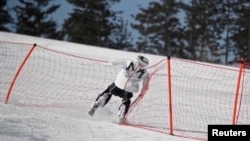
(215, 31)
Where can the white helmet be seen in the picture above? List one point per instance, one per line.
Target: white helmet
(143, 61)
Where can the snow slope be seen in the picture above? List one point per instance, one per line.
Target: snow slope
(73, 123)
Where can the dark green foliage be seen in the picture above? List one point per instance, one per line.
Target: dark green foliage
(5, 17)
(208, 31)
(95, 23)
(121, 37)
(160, 29)
(89, 22)
(211, 31)
(33, 18)
(241, 30)
(204, 30)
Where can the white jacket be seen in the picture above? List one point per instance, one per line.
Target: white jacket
(130, 76)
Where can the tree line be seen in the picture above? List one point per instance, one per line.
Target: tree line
(216, 31)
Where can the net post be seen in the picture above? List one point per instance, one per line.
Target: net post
(235, 104)
(17, 73)
(169, 95)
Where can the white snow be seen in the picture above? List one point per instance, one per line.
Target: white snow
(73, 123)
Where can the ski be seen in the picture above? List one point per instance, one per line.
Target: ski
(92, 110)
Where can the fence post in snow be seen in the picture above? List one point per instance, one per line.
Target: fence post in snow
(17, 73)
(169, 95)
(234, 120)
